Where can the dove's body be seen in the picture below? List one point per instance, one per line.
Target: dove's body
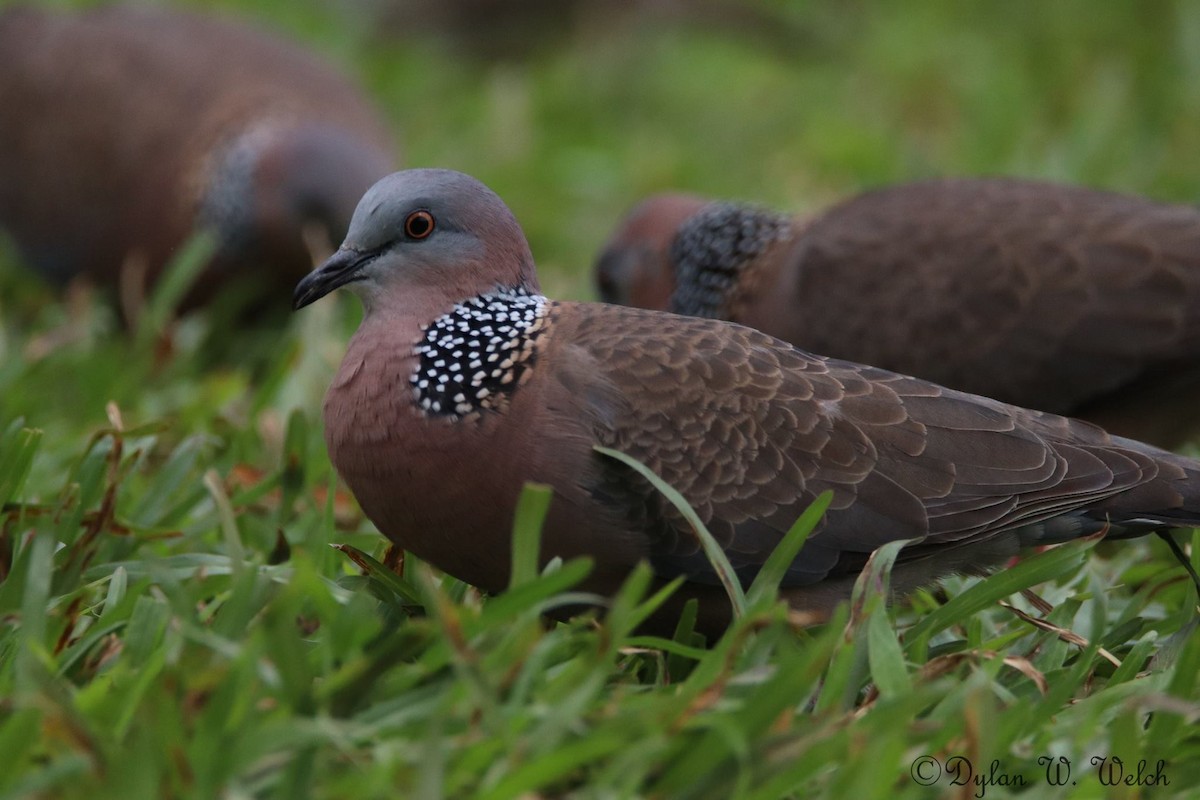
(747, 428)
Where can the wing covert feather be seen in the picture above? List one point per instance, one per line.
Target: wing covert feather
(750, 430)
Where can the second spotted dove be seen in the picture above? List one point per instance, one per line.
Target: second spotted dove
(463, 382)
(1054, 297)
(126, 129)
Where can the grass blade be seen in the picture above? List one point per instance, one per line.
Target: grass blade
(379, 573)
(532, 506)
(1036, 569)
(766, 583)
(178, 277)
(885, 657)
(17, 449)
(716, 556)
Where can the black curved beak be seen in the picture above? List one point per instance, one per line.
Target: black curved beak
(339, 269)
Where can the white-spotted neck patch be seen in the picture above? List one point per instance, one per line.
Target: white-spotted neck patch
(472, 357)
(712, 252)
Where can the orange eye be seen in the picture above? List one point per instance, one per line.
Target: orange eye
(418, 225)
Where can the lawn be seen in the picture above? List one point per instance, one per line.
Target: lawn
(192, 606)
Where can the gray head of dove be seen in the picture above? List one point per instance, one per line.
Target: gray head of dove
(427, 229)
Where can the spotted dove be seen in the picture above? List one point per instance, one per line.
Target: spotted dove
(1054, 297)
(463, 382)
(124, 129)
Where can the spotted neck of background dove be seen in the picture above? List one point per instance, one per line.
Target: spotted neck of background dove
(716, 255)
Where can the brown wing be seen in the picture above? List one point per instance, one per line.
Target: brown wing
(1041, 295)
(750, 430)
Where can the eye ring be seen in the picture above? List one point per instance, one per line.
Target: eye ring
(419, 225)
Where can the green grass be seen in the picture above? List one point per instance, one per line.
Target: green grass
(175, 623)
